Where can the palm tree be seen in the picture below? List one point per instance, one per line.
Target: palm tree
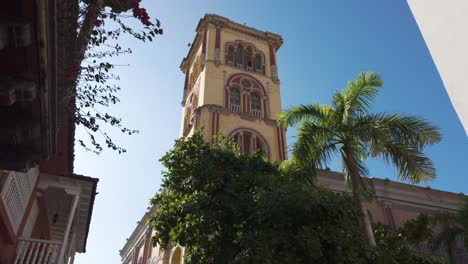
(348, 129)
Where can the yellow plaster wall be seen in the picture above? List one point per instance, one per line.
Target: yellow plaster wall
(215, 76)
(212, 81)
(229, 122)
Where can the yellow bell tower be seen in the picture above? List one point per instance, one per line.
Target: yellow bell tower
(232, 87)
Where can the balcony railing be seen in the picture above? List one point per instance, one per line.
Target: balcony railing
(36, 251)
(235, 108)
(257, 113)
(16, 192)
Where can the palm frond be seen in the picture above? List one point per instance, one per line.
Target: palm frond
(315, 144)
(408, 130)
(362, 92)
(300, 113)
(412, 165)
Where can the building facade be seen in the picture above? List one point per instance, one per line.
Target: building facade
(440, 23)
(232, 87)
(45, 211)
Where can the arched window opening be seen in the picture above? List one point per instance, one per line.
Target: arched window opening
(230, 55)
(249, 56)
(259, 63)
(250, 142)
(240, 56)
(235, 100)
(256, 105)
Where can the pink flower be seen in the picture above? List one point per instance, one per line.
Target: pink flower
(98, 23)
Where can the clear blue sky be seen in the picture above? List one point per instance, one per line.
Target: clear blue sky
(326, 43)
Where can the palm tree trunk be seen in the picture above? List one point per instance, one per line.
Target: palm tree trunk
(353, 171)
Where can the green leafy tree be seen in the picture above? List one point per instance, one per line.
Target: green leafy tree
(397, 246)
(226, 207)
(452, 227)
(348, 129)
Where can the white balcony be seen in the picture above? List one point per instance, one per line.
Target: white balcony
(235, 108)
(37, 251)
(257, 113)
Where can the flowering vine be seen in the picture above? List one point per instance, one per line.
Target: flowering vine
(101, 23)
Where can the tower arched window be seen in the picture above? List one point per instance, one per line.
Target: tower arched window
(230, 55)
(240, 56)
(235, 100)
(256, 105)
(250, 142)
(249, 58)
(259, 63)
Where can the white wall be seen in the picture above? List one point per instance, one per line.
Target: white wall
(444, 26)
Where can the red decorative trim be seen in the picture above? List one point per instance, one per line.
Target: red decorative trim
(218, 38)
(240, 142)
(265, 115)
(235, 79)
(244, 103)
(248, 99)
(212, 126)
(254, 144)
(226, 99)
(187, 74)
(253, 131)
(272, 54)
(244, 44)
(217, 122)
(280, 147)
(283, 142)
(204, 43)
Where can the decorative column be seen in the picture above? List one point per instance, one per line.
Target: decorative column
(203, 55)
(186, 84)
(71, 215)
(217, 58)
(274, 70)
(280, 146)
(147, 246)
(389, 214)
(265, 114)
(240, 141)
(253, 143)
